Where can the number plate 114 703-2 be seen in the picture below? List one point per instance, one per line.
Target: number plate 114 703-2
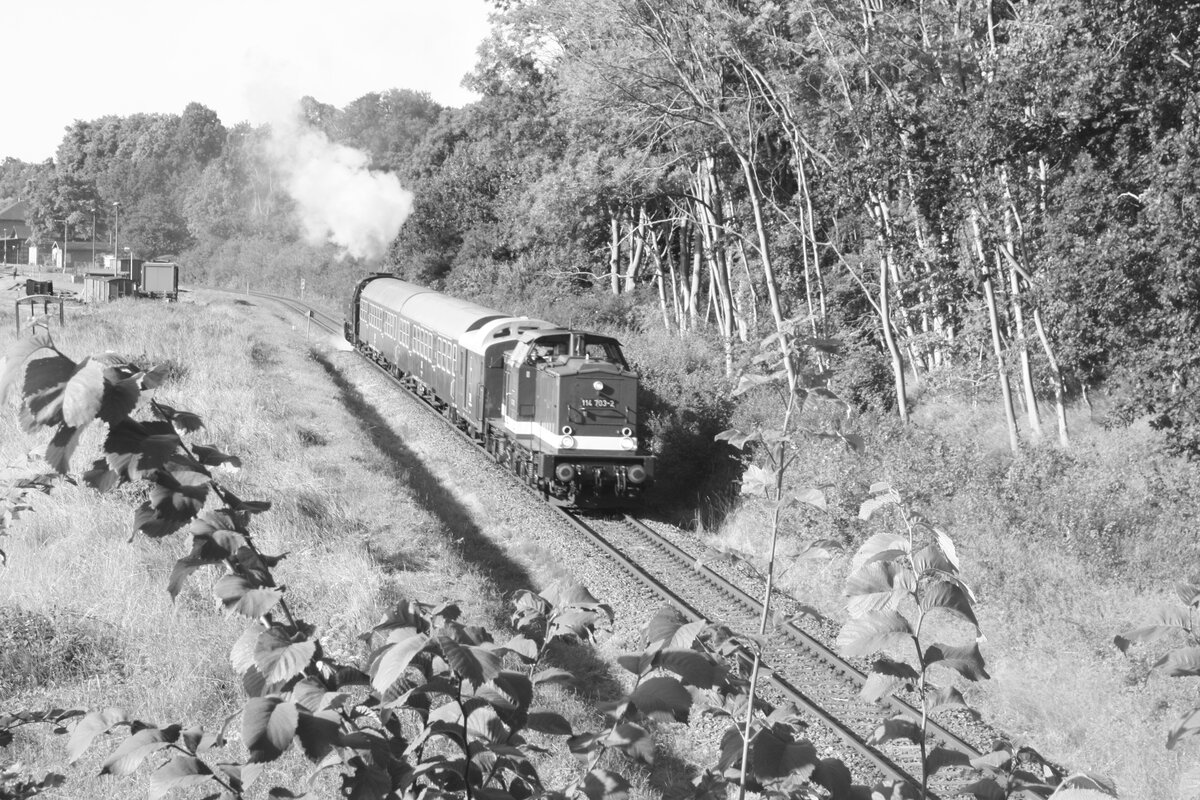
(597, 402)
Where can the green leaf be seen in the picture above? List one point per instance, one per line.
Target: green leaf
(553, 675)
(949, 597)
(1187, 726)
(212, 457)
(1085, 786)
(810, 497)
(873, 632)
(83, 394)
(600, 784)
(473, 664)
(748, 382)
(524, 647)
(92, 725)
(672, 629)
(1163, 622)
(119, 399)
(773, 754)
(508, 691)
(241, 655)
(821, 548)
(1188, 592)
(205, 552)
(881, 546)
(549, 722)
(1179, 663)
(940, 758)
(990, 789)
(948, 697)
(874, 587)
(15, 359)
(484, 725)
(45, 383)
(62, 447)
(240, 596)
(930, 558)
(966, 661)
(318, 733)
(126, 758)
(662, 697)
(692, 667)
(391, 661)
(946, 545)
(854, 441)
(278, 658)
(738, 439)
(896, 728)
(886, 677)
(179, 495)
(835, 776)
(636, 663)
(268, 726)
(873, 504)
(633, 740)
(756, 480)
(181, 772)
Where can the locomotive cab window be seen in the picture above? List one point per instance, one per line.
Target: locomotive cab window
(596, 348)
(549, 350)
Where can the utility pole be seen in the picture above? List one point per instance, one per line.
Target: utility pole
(116, 227)
(93, 236)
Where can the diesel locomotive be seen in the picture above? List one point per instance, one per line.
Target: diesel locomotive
(558, 407)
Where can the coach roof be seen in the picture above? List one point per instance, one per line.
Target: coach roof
(437, 312)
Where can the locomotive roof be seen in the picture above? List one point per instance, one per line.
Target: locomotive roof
(441, 313)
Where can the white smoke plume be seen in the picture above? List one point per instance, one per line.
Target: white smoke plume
(338, 198)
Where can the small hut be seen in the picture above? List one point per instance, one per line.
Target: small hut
(102, 288)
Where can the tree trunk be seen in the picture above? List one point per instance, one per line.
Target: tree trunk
(989, 295)
(883, 240)
(614, 250)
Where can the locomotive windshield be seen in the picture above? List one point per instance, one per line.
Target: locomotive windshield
(558, 348)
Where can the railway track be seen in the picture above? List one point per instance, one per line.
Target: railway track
(800, 667)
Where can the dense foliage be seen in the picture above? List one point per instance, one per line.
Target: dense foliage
(987, 198)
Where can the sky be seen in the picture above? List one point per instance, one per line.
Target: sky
(69, 60)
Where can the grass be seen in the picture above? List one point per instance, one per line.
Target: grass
(83, 607)
(1065, 549)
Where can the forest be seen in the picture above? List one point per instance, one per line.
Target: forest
(978, 199)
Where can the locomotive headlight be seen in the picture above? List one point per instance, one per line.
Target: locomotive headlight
(598, 386)
(637, 473)
(566, 473)
(627, 432)
(628, 443)
(567, 430)
(567, 442)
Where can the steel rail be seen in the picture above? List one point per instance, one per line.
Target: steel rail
(888, 767)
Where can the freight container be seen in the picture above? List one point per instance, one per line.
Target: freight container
(160, 279)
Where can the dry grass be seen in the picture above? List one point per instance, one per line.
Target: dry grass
(85, 619)
(1065, 550)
